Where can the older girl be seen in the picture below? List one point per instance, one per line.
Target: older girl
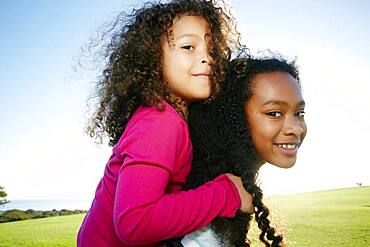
(258, 118)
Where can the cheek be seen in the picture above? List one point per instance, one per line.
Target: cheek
(256, 128)
(264, 136)
(264, 130)
(304, 132)
(305, 127)
(171, 67)
(182, 62)
(260, 138)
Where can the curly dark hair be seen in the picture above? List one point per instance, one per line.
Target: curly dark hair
(132, 75)
(223, 144)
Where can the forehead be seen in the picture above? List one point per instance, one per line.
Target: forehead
(276, 86)
(189, 24)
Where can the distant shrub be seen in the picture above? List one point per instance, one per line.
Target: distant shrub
(16, 214)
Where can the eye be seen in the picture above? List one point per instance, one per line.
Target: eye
(188, 47)
(300, 114)
(274, 114)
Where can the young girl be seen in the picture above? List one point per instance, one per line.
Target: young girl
(164, 57)
(258, 118)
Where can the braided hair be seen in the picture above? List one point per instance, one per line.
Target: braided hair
(223, 144)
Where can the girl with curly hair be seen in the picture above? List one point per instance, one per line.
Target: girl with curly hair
(258, 118)
(163, 57)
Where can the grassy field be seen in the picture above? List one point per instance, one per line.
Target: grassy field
(323, 219)
(47, 232)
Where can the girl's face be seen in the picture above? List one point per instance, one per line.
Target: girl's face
(275, 113)
(186, 61)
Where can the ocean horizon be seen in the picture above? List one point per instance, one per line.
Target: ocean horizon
(47, 204)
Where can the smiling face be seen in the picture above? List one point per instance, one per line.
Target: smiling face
(275, 113)
(186, 61)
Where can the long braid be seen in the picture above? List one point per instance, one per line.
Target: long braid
(228, 234)
(222, 144)
(267, 232)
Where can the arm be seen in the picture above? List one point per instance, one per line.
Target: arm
(143, 211)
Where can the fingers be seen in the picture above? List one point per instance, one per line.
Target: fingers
(245, 197)
(249, 205)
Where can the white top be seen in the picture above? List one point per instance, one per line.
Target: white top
(204, 237)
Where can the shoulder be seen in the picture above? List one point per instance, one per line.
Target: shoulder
(152, 118)
(155, 136)
(152, 126)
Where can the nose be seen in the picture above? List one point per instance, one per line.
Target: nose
(295, 126)
(206, 59)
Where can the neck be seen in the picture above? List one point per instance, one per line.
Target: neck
(185, 110)
(260, 163)
(181, 105)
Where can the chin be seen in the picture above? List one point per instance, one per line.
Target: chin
(203, 96)
(284, 164)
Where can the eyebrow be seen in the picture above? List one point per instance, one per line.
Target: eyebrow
(191, 36)
(186, 35)
(280, 102)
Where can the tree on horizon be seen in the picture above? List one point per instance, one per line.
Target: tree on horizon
(3, 196)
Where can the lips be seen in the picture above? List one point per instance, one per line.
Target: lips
(287, 146)
(202, 74)
(202, 77)
(288, 149)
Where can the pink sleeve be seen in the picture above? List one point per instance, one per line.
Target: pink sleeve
(143, 213)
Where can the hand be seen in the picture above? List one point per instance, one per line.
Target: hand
(245, 197)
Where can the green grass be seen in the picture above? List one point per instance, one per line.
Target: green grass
(326, 218)
(47, 232)
(323, 219)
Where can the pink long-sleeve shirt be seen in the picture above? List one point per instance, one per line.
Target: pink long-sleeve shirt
(138, 201)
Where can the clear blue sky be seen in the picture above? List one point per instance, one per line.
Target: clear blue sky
(44, 153)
